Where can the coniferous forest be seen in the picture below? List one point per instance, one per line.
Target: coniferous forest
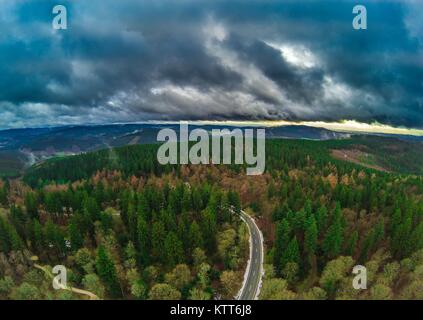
(127, 227)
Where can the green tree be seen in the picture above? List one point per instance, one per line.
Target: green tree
(291, 254)
(332, 243)
(107, 272)
(158, 235)
(352, 244)
(276, 289)
(3, 195)
(163, 291)
(334, 273)
(283, 234)
(321, 218)
(199, 294)
(26, 291)
(173, 250)
(195, 237)
(143, 243)
(310, 235)
(76, 238)
(179, 277)
(92, 283)
(31, 205)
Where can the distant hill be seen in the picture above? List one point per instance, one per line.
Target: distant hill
(382, 153)
(21, 148)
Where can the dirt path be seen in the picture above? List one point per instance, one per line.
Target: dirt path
(91, 295)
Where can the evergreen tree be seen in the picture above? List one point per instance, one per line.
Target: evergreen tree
(310, 236)
(291, 254)
(158, 235)
(3, 195)
(332, 243)
(75, 235)
(107, 272)
(173, 250)
(352, 244)
(38, 237)
(31, 205)
(208, 226)
(143, 243)
(195, 237)
(321, 218)
(283, 234)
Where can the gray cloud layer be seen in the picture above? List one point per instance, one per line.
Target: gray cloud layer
(134, 60)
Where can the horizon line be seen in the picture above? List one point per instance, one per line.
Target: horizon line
(344, 126)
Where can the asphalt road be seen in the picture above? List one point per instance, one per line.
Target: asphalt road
(252, 283)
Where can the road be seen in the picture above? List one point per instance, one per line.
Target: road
(253, 273)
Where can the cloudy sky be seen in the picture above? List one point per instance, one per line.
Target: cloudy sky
(137, 60)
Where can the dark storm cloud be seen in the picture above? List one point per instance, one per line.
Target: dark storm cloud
(137, 60)
(304, 86)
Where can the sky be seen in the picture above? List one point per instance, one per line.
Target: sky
(233, 60)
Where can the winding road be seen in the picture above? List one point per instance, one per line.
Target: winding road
(254, 272)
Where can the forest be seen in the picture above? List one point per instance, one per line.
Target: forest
(129, 228)
(122, 238)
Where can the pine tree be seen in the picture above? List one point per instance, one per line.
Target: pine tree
(5, 244)
(417, 238)
(107, 272)
(332, 243)
(395, 220)
(31, 204)
(195, 237)
(310, 236)
(3, 195)
(173, 250)
(379, 230)
(234, 201)
(143, 243)
(19, 219)
(208, 226)
(321, 219)
(132, 222)
(38, 238)
(54, 237)
(368, 244)
(75, 235)
(283, 234)
(291, 254)
(352, 244)
(9, 238)
(158, 235)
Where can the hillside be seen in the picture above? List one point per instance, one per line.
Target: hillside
(380, 153)
(21, 148)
